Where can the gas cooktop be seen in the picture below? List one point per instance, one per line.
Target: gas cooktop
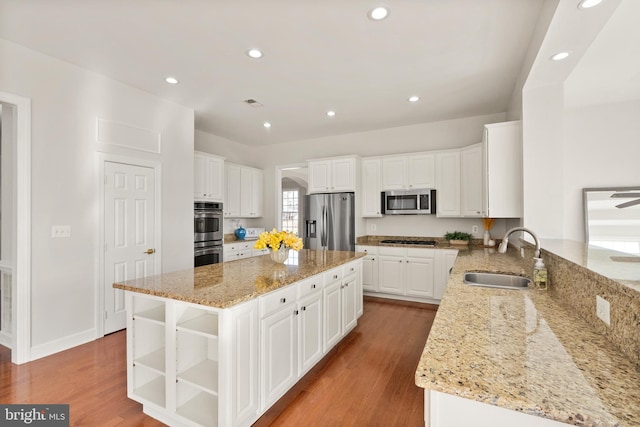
(410, 242)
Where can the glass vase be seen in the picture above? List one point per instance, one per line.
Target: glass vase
(279, 256)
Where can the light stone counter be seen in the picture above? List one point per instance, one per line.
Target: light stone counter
(230, 283)
(522, 350)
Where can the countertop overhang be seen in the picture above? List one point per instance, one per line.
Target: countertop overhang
(521, 350)
(227, 284)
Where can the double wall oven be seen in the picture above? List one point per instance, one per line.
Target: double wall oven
(208, 233)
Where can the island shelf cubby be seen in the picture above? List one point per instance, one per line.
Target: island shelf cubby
(148, 350)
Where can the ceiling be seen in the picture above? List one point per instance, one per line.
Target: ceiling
(609, 71)
(462, 57)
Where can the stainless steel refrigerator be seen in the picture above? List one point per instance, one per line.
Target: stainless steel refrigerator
(329, 222)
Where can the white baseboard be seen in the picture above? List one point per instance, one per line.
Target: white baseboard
(401, 297)
(61, 344)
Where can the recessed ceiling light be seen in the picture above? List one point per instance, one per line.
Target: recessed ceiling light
(586, 4)
(171, 80)
(414, 98)
(254, 53)
(331, 113)
(560, 56)
(266, 125)
(378, 13)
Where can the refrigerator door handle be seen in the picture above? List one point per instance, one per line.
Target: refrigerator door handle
(323, 230)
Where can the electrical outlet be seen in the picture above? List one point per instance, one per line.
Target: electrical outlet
(521, 252)
(373, 227)
(60, 231)
(603, 310)
(474, 229)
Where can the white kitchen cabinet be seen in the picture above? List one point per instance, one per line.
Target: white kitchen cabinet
(419, 273)
(448, 183)
(406, 271)
(371, 188)
(416, 171)
(446, 410)
(237, 250)
(471, 181)
(208, 177)
(349, 291)
(232, 191)
(333, 175)
(369, 268)
(251, 192)
(502, 168)
(310, 331)
(391, 270)
(332, 296)
(279, 350)
(244, 192)
(445, 259)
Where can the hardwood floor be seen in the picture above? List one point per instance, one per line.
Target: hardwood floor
(366, 381)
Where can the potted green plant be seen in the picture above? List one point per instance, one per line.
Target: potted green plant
(458, 237)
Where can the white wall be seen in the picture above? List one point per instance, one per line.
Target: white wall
(65, 103)
(602, 149)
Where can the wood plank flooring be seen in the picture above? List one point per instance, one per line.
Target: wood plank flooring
(366, 381)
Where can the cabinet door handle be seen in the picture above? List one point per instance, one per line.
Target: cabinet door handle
(283, 300)
(313, 286)
(335, 276)
(346, 285)
(296, 312)
(373, 259)
(304, 308)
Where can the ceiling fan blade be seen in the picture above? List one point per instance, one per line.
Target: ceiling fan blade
(627, 204)
(624, 195)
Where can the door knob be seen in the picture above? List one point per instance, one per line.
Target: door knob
(150, 251)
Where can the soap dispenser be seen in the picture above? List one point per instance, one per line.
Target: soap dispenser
(540, 274)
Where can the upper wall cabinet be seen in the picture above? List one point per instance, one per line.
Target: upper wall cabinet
(371, 187)
(244, 192)
(208, 177)
(502, 167)
(332, 175)
(448, 183)
(407, 172)
(471, 181)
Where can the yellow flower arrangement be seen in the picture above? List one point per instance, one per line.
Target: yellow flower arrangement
(274, 239)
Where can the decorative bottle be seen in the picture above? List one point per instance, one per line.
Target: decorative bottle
(540, 274)
(241, 232)
(486, 238)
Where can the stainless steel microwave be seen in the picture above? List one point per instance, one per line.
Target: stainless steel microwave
(409, 202)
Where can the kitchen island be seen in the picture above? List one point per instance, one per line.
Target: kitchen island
(219, 344)
(519, 357)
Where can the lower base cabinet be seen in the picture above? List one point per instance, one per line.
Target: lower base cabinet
(193, 365)
(446, 410)
(416, 274)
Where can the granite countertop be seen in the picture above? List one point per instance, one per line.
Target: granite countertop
(521, 350)
(441, 243)
(230, 283)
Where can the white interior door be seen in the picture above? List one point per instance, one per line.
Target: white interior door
(129, 204)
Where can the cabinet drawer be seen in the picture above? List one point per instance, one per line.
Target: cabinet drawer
(333, 275)
(391, 251)
(369, 250)
(349, 269)
(277, 299)
(421, 253)
(309, 286)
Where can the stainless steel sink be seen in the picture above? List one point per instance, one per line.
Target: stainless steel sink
(496, 280)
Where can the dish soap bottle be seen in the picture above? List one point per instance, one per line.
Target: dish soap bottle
(540, 274)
